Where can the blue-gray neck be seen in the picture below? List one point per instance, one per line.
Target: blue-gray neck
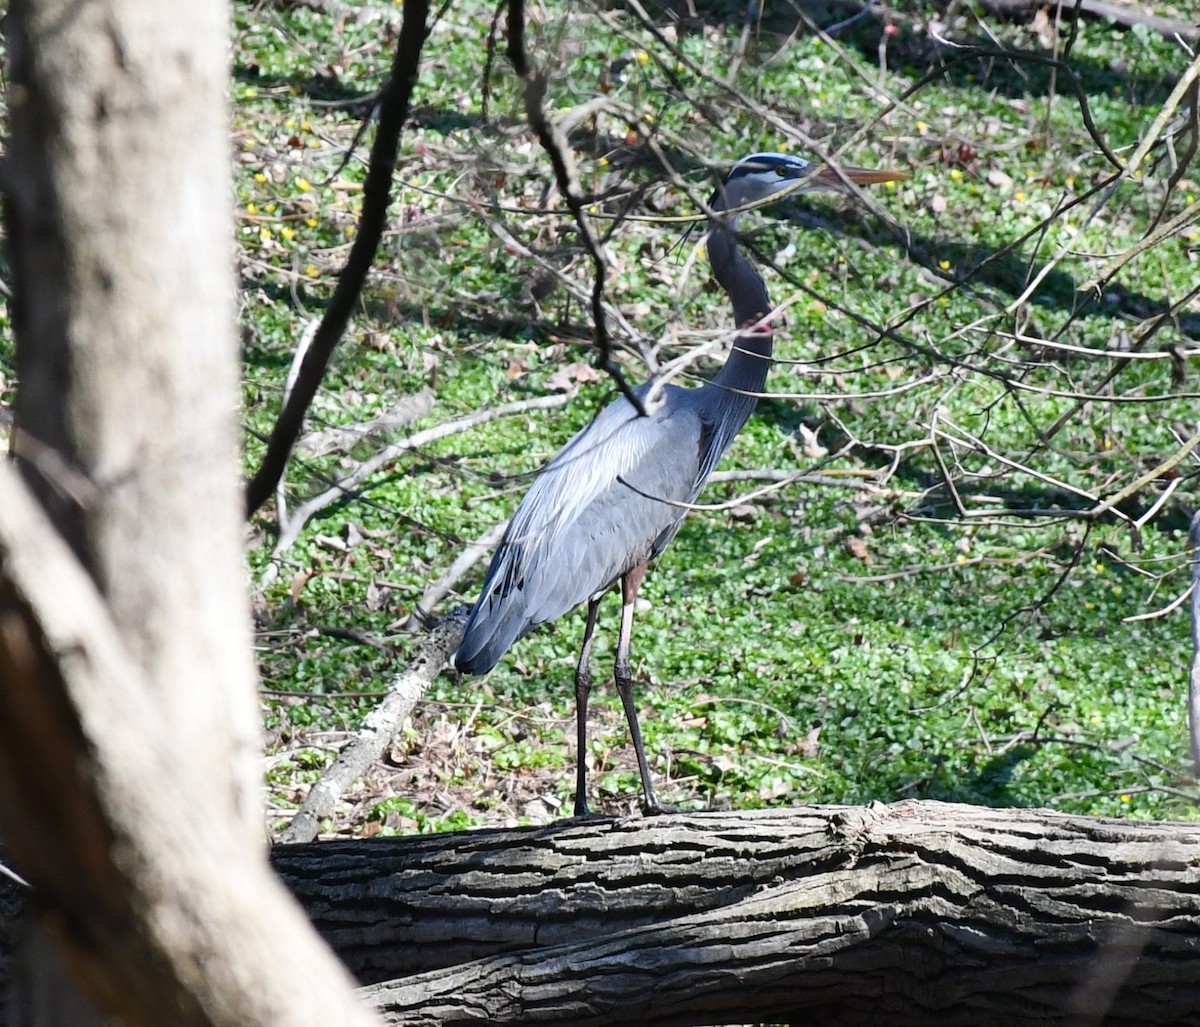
(745, 372)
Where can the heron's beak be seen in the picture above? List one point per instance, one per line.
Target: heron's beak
(835, 178)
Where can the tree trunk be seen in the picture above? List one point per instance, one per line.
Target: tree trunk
(913, 914)
(128, 719)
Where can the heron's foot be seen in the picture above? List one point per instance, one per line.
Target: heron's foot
(657, 809)
(584, 812)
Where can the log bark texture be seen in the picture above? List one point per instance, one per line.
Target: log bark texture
(914, 914)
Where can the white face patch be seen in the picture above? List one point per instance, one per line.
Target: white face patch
(782, 165)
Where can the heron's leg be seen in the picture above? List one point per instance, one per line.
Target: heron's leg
(583, 687)
(629, 589)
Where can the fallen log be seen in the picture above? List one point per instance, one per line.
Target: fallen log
(910, 914)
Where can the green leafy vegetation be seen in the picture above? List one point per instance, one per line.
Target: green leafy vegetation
(926, 619)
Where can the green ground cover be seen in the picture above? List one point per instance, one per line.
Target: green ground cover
(820, 642)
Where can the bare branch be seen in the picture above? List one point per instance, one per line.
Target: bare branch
(393, 112)
(306, 511)
(378, 729)
(551, 138)
(1194, 671)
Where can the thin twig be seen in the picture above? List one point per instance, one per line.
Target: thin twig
(559, 152)
(1171, 607)
(1143, 480)
(399, 415)
(343, 485)
(471, 554)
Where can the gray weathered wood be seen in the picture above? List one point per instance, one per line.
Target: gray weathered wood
(378, 729)
(916, 913)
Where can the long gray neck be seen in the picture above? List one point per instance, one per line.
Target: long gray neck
(746, 369)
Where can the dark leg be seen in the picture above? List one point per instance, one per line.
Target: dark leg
(583, 686)
(629, 589)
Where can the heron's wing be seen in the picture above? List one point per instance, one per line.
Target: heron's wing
(609, 500)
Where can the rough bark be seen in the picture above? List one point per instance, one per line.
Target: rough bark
(1194, 666)
(165, 918)
(121, 232)
(128, 718)
(913, 914)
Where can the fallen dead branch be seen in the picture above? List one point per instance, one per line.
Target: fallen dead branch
(378, 729)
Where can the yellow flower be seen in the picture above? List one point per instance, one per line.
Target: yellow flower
(889, 185)
(287, 232)
(251, 209)
(1127, 798)
(1019, 196)
(265, 234)
(310, 271)
(270, 208)
(955, 173)
(260, 177)
(303, 184)
(922, 127)
(642, 57)
(250, 92)
(311, 222)
(944, 265)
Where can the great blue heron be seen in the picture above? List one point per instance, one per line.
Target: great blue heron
(614, 496)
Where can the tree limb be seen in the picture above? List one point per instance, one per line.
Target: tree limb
(343, 485)
(1122, 14)
(393, 112)
(378, 729)
(559, 153)
(89, 799)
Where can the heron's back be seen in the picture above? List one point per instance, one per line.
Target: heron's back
(607, 502)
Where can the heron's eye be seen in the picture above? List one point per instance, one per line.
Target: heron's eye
(781, 170)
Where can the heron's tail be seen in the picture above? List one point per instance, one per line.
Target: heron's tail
(491, 629)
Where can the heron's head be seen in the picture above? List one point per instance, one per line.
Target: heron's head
(761, 176)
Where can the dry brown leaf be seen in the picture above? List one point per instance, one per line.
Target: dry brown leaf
(299, 580)
(810, 445)
(563, 379)
(857, 547)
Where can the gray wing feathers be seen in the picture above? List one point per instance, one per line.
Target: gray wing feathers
(601, 506)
